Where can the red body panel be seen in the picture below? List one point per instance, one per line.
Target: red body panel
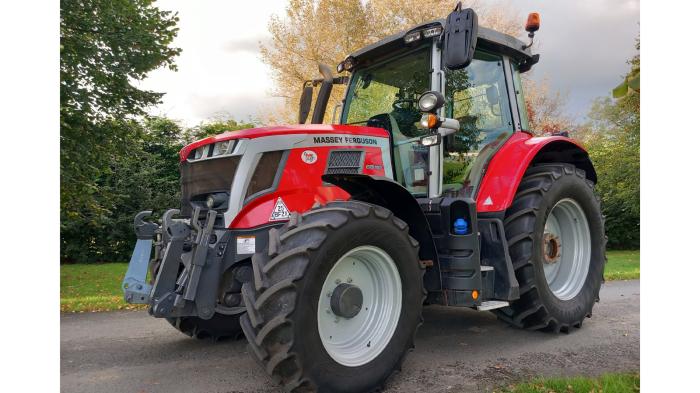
(300, 186)
(285, 130)
(507, 167)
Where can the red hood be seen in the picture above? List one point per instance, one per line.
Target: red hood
(251, 133)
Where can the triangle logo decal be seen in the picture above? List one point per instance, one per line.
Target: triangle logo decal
(280, 211)
(488, 201)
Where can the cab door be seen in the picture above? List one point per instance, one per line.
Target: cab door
(479, 96)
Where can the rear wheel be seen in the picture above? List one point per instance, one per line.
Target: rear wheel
(336, 299)
(556, 241)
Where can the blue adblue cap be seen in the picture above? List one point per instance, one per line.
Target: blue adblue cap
(461, 226)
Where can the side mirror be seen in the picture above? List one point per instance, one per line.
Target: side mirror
(305, 103)
(492, 95)
(461, 32)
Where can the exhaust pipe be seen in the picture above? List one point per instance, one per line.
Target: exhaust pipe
(324, 94)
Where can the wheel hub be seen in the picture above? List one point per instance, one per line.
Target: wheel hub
(552, 248)
(346, 300)
(359, 306)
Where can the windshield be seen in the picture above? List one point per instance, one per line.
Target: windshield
(385, 95)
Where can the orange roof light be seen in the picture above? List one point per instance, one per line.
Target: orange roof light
(533, 22)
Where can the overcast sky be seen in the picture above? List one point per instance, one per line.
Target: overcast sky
(584, 46)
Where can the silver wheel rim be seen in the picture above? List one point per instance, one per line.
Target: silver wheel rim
(358, 340)
(566, 249)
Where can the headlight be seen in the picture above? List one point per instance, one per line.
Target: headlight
(221, 148)
(416, 35)
(431, 101)
(347, 65)
(432, 31)
(430, 140)
(412, 37)
(217, 200)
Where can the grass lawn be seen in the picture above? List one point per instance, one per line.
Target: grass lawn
(622, 265)
(93, 287)
(96, 287)
(607, 383)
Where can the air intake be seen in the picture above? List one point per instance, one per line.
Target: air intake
(345, 162)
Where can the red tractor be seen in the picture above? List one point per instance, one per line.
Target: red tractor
(322, 243)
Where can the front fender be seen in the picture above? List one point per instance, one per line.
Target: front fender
(508, 165)
(385, 192)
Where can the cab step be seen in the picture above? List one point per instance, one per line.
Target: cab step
(491, 305)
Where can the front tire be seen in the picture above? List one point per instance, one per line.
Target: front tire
(315, 281)
(556, 240)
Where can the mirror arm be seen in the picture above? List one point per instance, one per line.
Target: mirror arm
(448, 126)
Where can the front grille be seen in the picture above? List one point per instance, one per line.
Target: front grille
(203, 177)
(345, 162)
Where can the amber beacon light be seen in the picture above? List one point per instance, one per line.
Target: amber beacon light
(531, 26)
(533, 23)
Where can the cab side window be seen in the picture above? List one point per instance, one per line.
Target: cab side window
(477, 96)
(520, 96)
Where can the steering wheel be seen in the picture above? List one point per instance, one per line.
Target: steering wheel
(397, 104)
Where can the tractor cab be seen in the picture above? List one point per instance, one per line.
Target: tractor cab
(482, 97)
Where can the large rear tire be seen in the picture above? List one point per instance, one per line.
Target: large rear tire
(336, 299)
(556, 240)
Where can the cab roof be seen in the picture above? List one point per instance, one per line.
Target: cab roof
(488, 39)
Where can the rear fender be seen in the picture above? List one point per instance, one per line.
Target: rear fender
(520, 151)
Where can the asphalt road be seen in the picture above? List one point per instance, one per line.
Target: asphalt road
(457, 350)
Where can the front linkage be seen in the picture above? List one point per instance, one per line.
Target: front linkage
(188, 263)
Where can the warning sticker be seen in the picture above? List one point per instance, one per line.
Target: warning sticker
(245, 245)
(280, 212)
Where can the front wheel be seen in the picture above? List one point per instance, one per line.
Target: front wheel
(336, 299)
(556, 240)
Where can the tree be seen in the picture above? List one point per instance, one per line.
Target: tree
(325, 31)
(545, 108)
(106, 45)
(215, 127)
(632, 82)
(613, 141)
(146, 177)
